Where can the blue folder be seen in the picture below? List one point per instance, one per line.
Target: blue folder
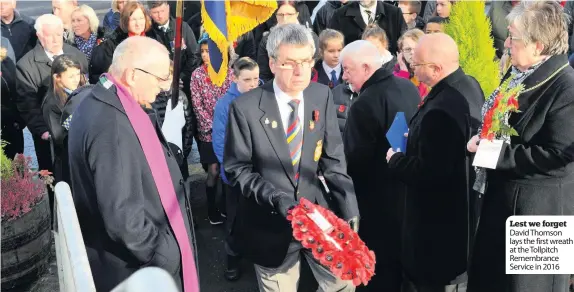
(396, 133)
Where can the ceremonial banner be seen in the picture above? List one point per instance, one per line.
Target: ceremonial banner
(224, 22)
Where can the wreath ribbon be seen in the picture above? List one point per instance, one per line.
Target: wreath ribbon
(332, 242)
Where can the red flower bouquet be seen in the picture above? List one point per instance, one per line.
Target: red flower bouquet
(333, 243)
(495, 124)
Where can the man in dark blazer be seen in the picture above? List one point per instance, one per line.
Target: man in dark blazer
(121, 167)
(277, 137)
(33, 77)
(435, 169)
(352, 18)
(381, 96)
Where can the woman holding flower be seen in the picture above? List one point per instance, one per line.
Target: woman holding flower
(532, 112)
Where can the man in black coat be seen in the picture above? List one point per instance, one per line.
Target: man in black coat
(294, 124)
(435, 169)
(381, 96)
(33, 77)
(119, 195)
(325, 14)
(17, 28)
(352, 19)
(164, 32)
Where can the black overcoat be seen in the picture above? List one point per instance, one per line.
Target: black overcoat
(123, 222)
(434, 170)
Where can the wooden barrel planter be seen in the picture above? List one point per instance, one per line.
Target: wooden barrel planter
(26, 246)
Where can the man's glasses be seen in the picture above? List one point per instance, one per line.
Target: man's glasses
(164, 83)
(291, 65)
(413, 66)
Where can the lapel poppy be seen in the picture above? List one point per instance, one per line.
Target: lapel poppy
(342, 108)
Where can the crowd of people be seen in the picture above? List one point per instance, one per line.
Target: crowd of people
(303, 112)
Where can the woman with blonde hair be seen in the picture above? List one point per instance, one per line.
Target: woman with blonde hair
(87, 33)
(534, 172)
(407, 44)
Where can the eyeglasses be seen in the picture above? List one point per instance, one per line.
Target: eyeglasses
(290, 65)
(413, 66)
(164, 83)
(283, 15)
(513, 38)
(408, 50)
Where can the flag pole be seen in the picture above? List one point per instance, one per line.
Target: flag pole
(177, 53)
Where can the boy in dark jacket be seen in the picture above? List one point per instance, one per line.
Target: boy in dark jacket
(245, 78)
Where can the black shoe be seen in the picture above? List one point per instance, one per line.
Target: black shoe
(215, 218)
(232, 271)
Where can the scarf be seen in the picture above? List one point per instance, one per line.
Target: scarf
(516, 78)
(86, 46)
(151, 146)
(131, 34)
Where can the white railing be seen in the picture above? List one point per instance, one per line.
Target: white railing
(74, 270)
(150, 279)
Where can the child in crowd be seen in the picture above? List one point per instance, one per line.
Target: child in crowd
(378, 37)
(245, 77)
(65, 86)
(328, 69)
(435, 24)
(204, 95)
(407, 43)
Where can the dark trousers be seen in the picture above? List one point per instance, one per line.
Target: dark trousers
(231, 201)
(44, 156)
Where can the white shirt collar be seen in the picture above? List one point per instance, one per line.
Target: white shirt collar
(329, 69)
(284, 108)
(282, 96)
(372, 9)
(165, 26)
(52, 56)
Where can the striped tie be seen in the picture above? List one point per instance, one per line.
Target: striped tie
(295, 136)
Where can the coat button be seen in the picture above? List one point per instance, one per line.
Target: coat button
(181, 182)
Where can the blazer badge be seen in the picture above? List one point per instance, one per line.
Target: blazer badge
(316, 116)
(318, 150)
(311, 125)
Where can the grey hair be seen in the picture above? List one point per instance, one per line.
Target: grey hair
(363, 52)
(544, 22)
(47, 19)
(289, 34)
(133, 52)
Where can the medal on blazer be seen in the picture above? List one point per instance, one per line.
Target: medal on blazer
(274, 124)
(318, 150)
(311, 125)
(315, 116)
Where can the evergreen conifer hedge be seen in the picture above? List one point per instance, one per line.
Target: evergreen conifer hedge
(470, 28)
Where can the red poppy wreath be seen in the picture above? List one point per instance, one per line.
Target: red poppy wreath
(333, 243)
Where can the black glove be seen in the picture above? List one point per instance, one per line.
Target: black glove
(283, 203)
(354, 223)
